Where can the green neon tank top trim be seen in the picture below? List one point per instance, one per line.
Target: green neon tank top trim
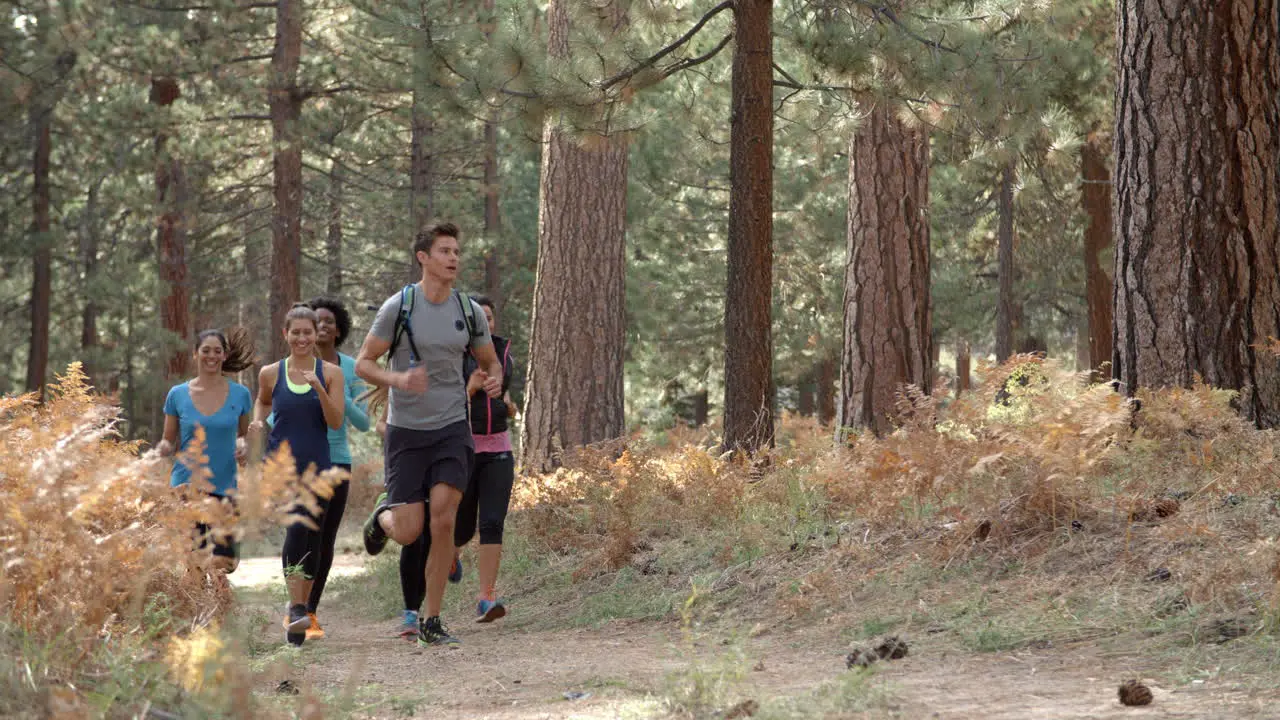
(294, 388)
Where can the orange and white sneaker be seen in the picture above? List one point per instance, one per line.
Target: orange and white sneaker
(314, 631)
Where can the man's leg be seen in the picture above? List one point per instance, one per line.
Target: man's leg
(400, 514)
(444, 509)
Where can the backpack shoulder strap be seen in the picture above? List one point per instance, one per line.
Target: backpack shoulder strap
(402, 320)
(468, 313)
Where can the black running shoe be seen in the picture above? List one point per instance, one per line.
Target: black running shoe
(432, 632)
(375, 538)
(296, 624)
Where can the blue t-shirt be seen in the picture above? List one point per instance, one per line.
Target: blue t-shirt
(354, 415)
(220, 432)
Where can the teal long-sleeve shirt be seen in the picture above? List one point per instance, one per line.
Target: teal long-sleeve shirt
(354, 413)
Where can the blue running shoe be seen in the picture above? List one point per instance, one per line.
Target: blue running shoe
(409, 626)
(489, 610)
(455, 572)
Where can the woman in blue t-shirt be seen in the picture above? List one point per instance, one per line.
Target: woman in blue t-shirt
(222, 408)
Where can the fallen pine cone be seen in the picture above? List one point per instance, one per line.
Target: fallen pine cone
(892, 648)
(860, 658)
(1133, 692)
(1167, 507)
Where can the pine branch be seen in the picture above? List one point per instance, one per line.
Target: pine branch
(687, 63)
(676, 45)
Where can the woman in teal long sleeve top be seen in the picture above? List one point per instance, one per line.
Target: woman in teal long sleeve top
(331, 332)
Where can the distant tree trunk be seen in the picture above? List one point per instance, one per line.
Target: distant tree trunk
(888, 334)
(492, 218)
(701, 408)
(171, 236)
(962, 367)
(1197, 145)
(333, 243)
(89, 243)
(827, 377)
(807, 398)
(1005, 309)
(42, 264)
(421, 197)
(748, 323)
(1095, 195)
(574, 390)
(286, 226)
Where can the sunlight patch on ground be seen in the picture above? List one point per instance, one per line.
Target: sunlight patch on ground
(262, 571)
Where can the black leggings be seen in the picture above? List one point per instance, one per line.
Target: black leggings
(484, 504)
(328, 539)
(311, 551)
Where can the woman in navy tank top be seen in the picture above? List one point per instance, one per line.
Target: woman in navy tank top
(305, 394)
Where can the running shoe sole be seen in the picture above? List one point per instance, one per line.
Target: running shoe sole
(497, 611)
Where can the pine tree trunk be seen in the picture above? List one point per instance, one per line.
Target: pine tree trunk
(701, 408)
(1095, 195)
(1005, 309)
(1197, 145)
(285, 101)
(492, 218)
(826, 376)
(963, 369)
(887, 317)
(748, 324)
(421, 197)
(171, 236)
(574, 388)
(89, 244)
(807, 398)
(42, 263)
(333, 242)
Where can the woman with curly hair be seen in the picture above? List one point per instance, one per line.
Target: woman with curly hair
(331, 333)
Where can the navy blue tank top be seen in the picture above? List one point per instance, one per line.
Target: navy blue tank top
(299, 418)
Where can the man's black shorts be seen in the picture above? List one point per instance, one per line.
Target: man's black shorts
(416, 460)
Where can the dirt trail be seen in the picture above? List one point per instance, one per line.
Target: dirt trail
(625, 669)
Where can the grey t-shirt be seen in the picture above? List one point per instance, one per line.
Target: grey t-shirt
(440, 334)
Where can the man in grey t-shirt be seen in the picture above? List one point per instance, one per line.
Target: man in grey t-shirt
(428, 442)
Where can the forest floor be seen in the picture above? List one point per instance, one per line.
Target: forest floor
(549, 660)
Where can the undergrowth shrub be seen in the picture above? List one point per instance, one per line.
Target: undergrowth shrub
(97, 570)
(1016, 470)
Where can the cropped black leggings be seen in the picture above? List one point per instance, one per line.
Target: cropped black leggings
(484, 505)
(311, 551)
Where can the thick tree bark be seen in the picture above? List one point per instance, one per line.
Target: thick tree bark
(574, 388)
(171, 235)
(1095, 195)
(748, 362)
(333, 241)
(1005, 304)
(888, 333)
(42, 262)
(962, 367)
(1197, 144)
(285, 101)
